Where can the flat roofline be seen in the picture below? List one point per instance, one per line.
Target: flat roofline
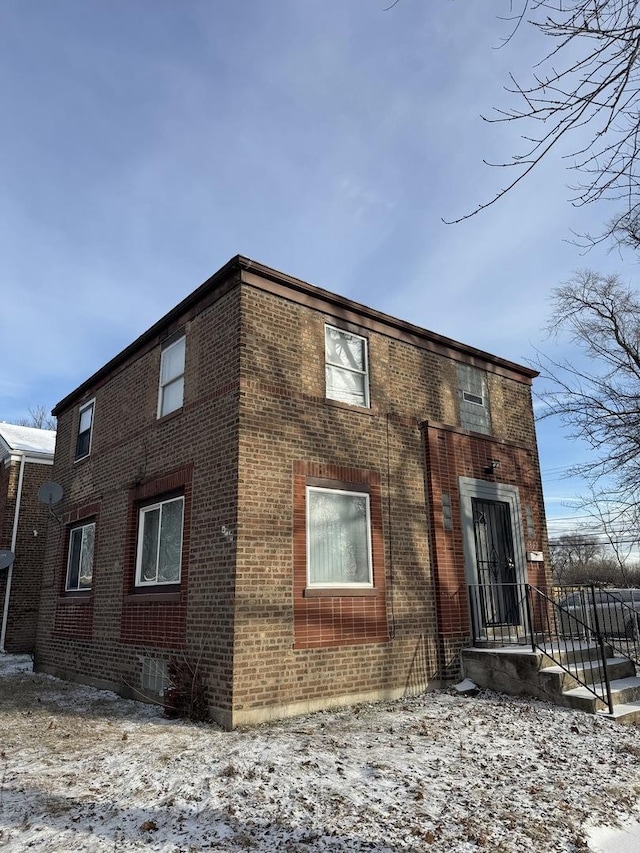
(252, 272)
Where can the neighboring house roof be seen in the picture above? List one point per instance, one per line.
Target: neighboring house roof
(16, 441)
(243, 270)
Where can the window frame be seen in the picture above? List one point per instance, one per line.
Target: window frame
(82, 527)
(366, 404)
(162, 386)
(142, 511)
(339, 585)
(90, 405)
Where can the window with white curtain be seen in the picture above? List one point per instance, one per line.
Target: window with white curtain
(346, 367)
(80, 558)
(338, 538)
(159, 553)
(171, 392)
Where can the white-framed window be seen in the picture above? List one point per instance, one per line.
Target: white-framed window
(338, 538)
(80, 557)
(346, 367)
(474, 402)
(85, 430)
(171, 393)
(159, 554)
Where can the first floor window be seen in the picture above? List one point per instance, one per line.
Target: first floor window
(159, 553)
(80, 558)
(338, 538)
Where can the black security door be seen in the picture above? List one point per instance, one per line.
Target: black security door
(495, 564)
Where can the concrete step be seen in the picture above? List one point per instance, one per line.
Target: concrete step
(624, 691)
(519, 670)
(590, 672)
(572, 652)
(626, 713)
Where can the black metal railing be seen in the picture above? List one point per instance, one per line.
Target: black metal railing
(575, 645)
(576, 627)
(615, 613)
(497, 612)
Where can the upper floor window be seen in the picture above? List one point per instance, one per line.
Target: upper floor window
(474, 401)
(80, 558)
(171, 392)
(338, 538)
(346, 367)
(85, 428)
(159, 554)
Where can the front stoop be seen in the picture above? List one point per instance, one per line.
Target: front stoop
(520, 671)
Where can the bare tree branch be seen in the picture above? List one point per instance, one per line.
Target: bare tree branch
(589, 79)
(598, 398)
(38, 417)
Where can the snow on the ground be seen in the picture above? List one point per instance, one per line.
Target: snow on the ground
(84, 770)
(624, 839)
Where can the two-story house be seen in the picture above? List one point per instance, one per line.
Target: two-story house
(289, 491)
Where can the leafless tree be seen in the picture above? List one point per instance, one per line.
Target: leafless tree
(38, 417)
(597, 395)
(616, 524)
(573, 555)
(583, 97)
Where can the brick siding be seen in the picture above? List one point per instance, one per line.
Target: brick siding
(24, 600)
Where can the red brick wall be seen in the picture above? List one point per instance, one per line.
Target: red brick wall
(288, 429)
(452, 453)
(157, 617)
(338, 619)
(24, 597)
(133, 452)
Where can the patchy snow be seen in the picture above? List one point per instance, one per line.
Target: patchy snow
(82, 769)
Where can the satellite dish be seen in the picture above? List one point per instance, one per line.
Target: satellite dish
(50, 493)
(6, 559)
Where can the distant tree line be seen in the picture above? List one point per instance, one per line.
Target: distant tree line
(582, 558)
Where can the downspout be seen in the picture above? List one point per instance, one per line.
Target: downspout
(14, 537)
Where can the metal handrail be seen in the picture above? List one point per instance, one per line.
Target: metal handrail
(560, 628)
(551, 628)
(619, 623)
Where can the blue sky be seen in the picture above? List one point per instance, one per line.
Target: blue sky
(144, 144)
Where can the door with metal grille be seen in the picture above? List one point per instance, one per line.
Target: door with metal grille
(495, 563)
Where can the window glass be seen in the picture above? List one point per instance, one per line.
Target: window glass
(338, 538)
(160, 543)
(85, 423)
(346, 368)
(171, 394)
(80, 560)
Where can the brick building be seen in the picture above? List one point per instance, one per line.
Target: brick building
(281, 487)
(26, 457)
